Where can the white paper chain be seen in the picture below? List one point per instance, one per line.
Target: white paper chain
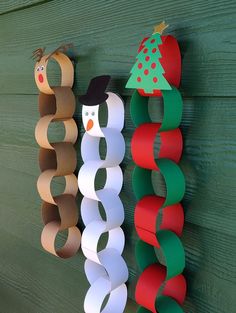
(105, 269)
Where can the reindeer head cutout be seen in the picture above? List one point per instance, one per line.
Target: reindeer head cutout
(40, 70)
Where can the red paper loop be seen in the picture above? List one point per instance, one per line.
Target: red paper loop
(170, 61)
(147, 212)
(142, 145)
(152, 283)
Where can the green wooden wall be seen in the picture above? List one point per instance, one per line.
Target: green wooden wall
(106, 35)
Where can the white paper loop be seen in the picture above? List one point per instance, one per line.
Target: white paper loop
(92, 234)
(110, 260)
(112, 206)
(115, 147)
(105, 268)
(87, 175)
(98, 292)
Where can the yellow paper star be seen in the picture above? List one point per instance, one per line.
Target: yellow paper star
(160, 28)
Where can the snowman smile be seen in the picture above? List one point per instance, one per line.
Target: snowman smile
(89, 125)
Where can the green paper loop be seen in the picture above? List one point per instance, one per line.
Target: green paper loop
(170, 245)
(167, 305)
(173, 107)
(173, 177)
(142, 182)
(145, 254)
(142, 310)
(163, 305)
(139, 109)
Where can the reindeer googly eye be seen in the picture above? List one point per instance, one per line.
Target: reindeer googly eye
(38, 68)
(93, 113)
(42, 67)
(86, 113)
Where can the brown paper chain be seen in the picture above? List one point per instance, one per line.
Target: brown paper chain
(57, 159)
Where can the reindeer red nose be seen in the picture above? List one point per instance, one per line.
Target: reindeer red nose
(40, 78)
(89, 125)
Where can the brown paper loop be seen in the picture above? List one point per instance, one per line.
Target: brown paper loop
(44, 186)
(64, 212)
(41, 131)
(61, 104)
(62, 159)
(40, 72)
(71, 246)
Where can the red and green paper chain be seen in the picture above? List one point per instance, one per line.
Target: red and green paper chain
(159, 221)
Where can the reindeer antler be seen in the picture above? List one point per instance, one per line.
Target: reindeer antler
(61, 48)
(38, 54)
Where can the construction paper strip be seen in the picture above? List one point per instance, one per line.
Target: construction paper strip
(44, 185)
(155, 277)
(71, 246)
(142, 145)
(57, 104)
(150, 217)
(105, 268)
(152, 281)
(91, 236)
(168, 305)
(62, 159)
(41, 131)
(40, 72)
(87, 175)
(173, 178)
(173, 106)
(110, 260)
(114, 214)
(99, 291)
(115, 147)
(64, 212)
(170, 245)
(60, 104)
(164, 305)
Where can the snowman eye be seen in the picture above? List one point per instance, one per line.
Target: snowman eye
(42, 68)
(38, 68)
(93, 113)
(86, 113)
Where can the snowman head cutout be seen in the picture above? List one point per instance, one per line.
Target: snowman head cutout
(91, 101)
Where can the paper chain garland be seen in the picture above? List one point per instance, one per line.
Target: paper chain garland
(158, 221)
(106, 270)
(57, 104)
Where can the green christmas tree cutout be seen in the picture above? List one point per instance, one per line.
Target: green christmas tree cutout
(147, 73)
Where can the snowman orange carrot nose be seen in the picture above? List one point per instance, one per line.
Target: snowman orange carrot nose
(89, 125)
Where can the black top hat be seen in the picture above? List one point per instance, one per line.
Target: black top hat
(96, 91)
